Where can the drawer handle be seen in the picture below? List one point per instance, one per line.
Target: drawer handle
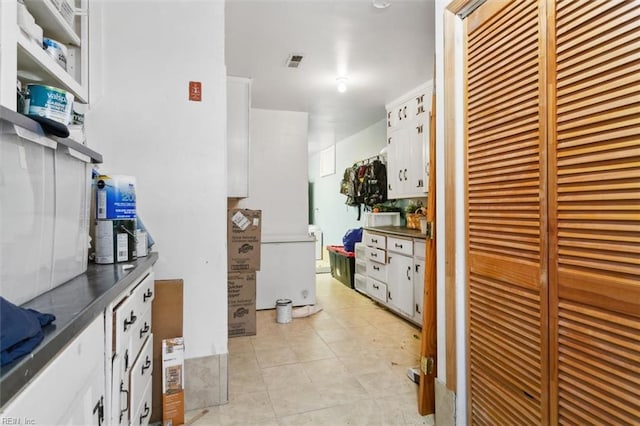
(123, 390)
(144, 329)
(145, 413)
(418, 309)
(147, 363)
(147, 295)
(374, 241)
(99, 408)
(377, 268)
(376, 286)
(389, 294)
(126, 360)
(129, 322)
(408, 272)
(398, 245)
(374, 254)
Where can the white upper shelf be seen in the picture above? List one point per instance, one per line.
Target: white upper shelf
(52, 22)
(33, 60)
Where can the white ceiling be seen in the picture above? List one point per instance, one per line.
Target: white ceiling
(384, 52)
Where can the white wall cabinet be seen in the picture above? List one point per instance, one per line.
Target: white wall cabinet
(238, 140)
(407, 140)
(23, 58)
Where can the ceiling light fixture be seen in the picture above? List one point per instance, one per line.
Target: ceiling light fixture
(381, 4)
(342, 84)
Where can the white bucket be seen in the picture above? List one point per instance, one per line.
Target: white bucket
(283, 311)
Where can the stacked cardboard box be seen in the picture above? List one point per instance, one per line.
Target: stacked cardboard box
(243, 260)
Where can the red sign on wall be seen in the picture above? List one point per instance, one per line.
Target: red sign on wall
(195, 91)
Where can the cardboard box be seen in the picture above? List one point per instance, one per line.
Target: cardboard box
(243, 240)
(166, 322)
(173, 381)
(241, 291)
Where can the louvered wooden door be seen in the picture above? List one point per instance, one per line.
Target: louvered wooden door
(595, 213)
(553, 197)
(507, 290)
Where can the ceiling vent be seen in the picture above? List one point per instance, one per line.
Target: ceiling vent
(294, 61)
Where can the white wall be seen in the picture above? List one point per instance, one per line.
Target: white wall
(332, 215)
(278, 181)
(143, 57)
(278, 187)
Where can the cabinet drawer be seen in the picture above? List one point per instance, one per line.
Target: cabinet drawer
(143, 293)
(377, 271)
(143, 411)
(133, 317)
(376, 255)
(361, 267)
(419, 248)
(125, 317)
(399, 245)
(375, 240)
(140, 333)
(141, 373)
(377, 290)
(360, 283)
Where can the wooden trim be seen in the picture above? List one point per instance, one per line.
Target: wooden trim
(449, 199)
(465, 176)
(429, 348)
(552, 211)
(544, 206)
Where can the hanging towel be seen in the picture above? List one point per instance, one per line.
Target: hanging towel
(20, 330)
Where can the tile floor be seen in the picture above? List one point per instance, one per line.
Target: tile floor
(344, 365)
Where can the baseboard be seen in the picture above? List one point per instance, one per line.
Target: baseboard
(445, 405)
(206, 381)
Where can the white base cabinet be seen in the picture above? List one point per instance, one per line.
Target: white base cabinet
(131, 362)
(394, 274)
(400, 282)
(70, 391)
(418, 289)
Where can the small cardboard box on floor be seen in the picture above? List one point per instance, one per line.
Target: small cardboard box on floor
(166, 323)
(173, 381)
(241, 295)
(243, 248)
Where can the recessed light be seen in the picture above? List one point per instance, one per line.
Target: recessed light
(381, 4)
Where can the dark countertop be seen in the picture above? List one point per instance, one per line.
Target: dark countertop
(400, 231)
(75, 304)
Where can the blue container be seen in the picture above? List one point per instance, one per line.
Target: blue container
(115, 197)
(49, 102)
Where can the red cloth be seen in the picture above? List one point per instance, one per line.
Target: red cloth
(340, 250)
